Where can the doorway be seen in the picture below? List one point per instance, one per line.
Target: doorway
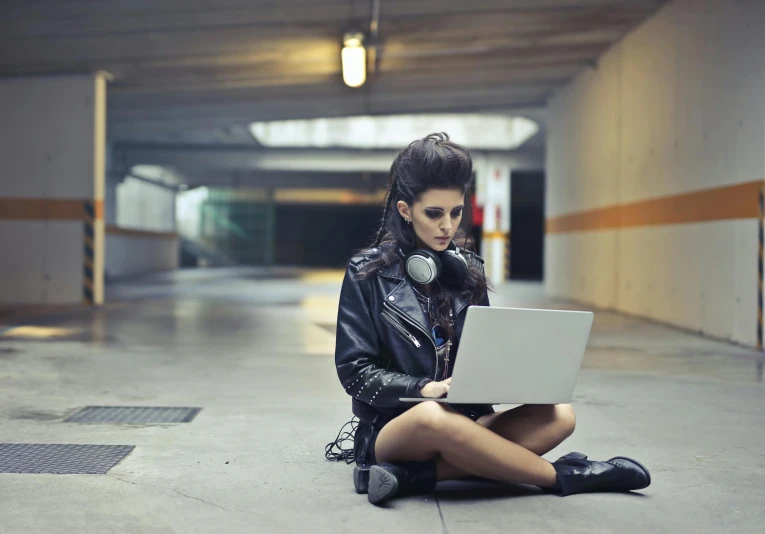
(527, 225)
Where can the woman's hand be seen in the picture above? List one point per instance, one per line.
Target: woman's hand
(435, 390)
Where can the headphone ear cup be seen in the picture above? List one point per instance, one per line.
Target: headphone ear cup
(423, 266)
(454, 268)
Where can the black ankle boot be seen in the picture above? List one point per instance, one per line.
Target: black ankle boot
(576, 474)
(361, 479)
(571, 456)
(406, 478)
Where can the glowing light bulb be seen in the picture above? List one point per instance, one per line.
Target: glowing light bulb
(354, 58)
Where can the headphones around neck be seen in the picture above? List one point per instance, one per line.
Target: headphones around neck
(424, 266)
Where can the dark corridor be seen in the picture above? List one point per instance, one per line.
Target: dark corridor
(527, 198)
(323, 235)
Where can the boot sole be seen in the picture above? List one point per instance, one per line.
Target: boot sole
(360, 480)
(382, 485)
(641, 466)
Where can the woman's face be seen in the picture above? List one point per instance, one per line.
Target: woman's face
(435, 217)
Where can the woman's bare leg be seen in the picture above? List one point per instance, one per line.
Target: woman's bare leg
(430, 429)
(538, 428)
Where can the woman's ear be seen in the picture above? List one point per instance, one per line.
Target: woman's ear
(403, 209)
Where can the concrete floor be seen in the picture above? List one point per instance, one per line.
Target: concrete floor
(254, 350)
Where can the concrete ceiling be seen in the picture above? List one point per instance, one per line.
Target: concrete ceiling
(190, 75)
(188, 71)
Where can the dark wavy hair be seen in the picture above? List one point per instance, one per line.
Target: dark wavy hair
(433, 162)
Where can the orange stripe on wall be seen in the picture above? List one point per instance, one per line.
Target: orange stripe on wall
(116, 230)
(46, 209)
(496, 235)
(738, 201)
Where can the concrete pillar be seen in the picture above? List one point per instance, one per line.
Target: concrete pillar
(52, 137)
(493, 193)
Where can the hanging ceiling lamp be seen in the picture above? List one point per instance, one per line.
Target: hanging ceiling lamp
(354, 58)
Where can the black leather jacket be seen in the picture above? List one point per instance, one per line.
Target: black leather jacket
(383, 347)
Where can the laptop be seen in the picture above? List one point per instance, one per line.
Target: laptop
(517, 356)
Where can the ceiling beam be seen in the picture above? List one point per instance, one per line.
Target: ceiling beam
(115, 17)
(290, 180)
(196, 161)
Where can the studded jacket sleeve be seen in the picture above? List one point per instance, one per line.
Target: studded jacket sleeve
(359, 358)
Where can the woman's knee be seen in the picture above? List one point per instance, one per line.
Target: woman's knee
(565, 419)
(431, 417)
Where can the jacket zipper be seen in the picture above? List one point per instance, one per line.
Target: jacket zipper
(392, 321)
(448, 347)
(403, 316)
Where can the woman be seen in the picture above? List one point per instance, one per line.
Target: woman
(402, 308)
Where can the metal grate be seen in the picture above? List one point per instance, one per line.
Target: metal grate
(60, 459)
(133, 415)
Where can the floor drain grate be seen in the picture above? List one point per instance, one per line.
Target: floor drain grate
(134, 415)
(60, 459)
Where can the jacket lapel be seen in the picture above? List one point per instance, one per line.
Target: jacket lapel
(403, 297)
(405, 300)
(460, 303)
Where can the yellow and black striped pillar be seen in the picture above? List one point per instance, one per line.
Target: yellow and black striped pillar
(761, 237)
(88, 283)
(496, 248)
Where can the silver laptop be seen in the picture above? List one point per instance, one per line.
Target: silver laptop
(518, 356)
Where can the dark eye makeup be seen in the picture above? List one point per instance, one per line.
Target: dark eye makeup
(436, 213)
